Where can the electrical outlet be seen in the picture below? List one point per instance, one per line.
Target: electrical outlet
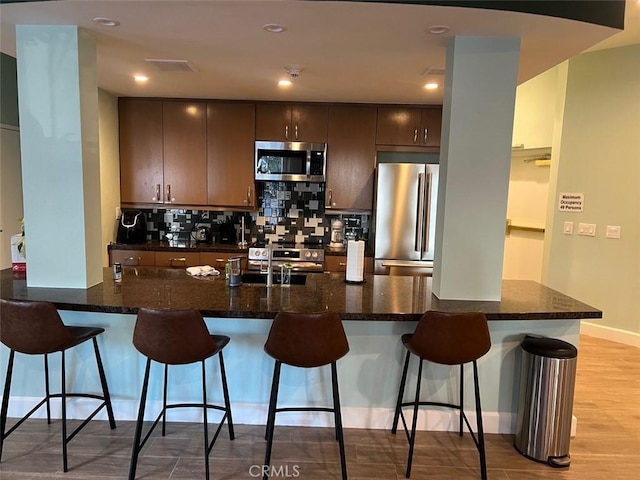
(568, 228)
(613, 231)
(587, 229)
(118, 212)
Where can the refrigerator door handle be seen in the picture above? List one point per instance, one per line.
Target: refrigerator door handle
(420, 214)
(426, 218)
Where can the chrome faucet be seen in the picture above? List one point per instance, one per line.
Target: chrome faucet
(269, 265)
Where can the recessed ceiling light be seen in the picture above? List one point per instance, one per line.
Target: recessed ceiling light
(431, 86)
(438, 29)
(106, 22)
(141, 78)
(285, 83)
(274, 28)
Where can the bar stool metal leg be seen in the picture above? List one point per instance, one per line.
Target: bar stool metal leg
(138, 435)
(403, 383)
(205, 422)
(461, 397)
(164, 399)
(412, 440)
(271, 418)
(225, 392)
(63, 396)
(479, 427)
(338, 419)
(105, 388)
(5, 400)
(47, 391)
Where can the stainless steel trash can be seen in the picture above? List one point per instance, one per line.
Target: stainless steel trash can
(545, 402)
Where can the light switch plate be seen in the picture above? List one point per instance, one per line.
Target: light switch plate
(568, 228)
(613, 231)
(587, 229)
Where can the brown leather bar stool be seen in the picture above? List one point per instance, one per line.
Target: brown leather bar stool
(306, 340)
(448, 339)
(35, 328)
(178, 337)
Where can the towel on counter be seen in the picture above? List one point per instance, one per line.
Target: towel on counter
(202, 271)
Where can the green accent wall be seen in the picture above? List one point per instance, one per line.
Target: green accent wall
(600, 158)
(8, 91)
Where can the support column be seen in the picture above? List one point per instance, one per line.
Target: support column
(58, 106)
(477, 126)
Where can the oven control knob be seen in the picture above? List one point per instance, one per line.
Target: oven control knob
(314, 254)
(264, 253)
(307, 254)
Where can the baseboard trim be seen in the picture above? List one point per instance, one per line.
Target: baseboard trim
(609, 333)
(256, 414)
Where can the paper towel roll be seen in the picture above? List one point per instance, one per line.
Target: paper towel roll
(355, 261)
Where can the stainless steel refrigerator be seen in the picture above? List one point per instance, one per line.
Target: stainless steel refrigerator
(405, 218)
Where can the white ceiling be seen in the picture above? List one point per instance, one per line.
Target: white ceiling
(350, 51)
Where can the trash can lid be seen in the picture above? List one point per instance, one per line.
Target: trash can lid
(548, 347)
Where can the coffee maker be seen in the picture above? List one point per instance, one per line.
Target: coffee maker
(337, 234)
(132, 227)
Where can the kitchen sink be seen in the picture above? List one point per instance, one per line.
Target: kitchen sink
(296, 279)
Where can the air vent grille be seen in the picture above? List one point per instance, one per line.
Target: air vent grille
(433, 71)
(167, 65)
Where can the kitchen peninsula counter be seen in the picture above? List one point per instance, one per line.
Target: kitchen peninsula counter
(379, 298)
(375, 315)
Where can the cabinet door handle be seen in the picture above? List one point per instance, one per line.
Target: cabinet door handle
(181, 260)
(426, 135)
(330, 201)
(415, 135)
(170, 199)
(286, 132)
(131, 261)
(249, 200)
(157, 197)
(296, 132)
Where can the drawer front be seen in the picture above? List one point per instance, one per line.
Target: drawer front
(133, 258)
(339, 264)
(177, 259)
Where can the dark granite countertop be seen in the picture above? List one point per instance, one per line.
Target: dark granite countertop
(379, 298)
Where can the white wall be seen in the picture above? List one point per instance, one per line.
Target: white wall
(600, 157)
(534, 125)
(527, 206)
(109, 167)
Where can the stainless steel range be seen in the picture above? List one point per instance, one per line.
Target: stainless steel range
(303, 257)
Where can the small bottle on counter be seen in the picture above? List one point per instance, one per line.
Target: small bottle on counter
(117, 272)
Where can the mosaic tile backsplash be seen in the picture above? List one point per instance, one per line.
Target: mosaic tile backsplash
(287, 212)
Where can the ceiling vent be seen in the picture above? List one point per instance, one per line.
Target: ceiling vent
(166, 65)
(433, 71)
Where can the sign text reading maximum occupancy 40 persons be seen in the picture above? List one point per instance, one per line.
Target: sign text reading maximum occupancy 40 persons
(571, 202)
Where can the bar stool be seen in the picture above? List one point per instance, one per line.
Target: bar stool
(35, 328)
(448, 339)
(178, 337)
(305, 340)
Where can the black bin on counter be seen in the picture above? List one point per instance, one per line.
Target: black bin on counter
(545, 403)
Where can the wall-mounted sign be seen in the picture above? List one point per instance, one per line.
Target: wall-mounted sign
(571, 202)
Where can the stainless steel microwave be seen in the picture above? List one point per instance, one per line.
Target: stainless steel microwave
(291, 161)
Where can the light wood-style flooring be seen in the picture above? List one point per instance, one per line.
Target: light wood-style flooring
(607, 447)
